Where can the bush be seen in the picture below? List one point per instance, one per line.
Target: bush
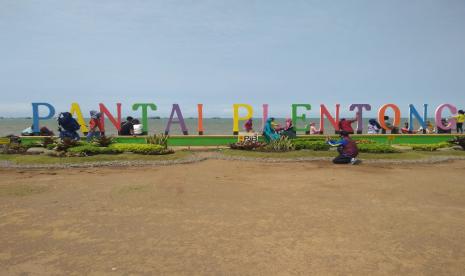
(377, 148)
(460, 141)
(140, 148)
(280, 145)
(103, 141)
(65, 144)
(92, 150)
(311, 145)
(364, 141)
(428, 147)
(161, 140)
(247, 145)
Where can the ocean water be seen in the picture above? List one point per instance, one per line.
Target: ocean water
(155, 126)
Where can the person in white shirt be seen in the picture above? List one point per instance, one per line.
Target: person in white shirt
(137, 127)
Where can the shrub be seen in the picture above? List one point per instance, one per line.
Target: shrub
(280, 145)
(13, 148)
(428, 147)
(92, 150)
(377, 148)
(364, 141)
(140, 148)
(247, 145)
(460, 141)
(103, 141)
(65, 144)
(311, 145)
(160, 139)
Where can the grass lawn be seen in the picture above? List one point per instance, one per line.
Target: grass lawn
(42, 159)
(409, 155)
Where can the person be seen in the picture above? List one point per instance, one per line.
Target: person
(373, 127)
(346, 125)
(394, 129)
(445, 123)
(68, 126)
(313, 129)
(138, 128)
(460, 119)
(127, 127)
(347, 148)
(248, 125)
(429, 128)
(28, 131)
(269, 133)
(277, 127)
(43, 131)
(94, 123)
(405, 129)
(289, 129)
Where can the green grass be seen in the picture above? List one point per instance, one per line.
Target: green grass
(409, 155)
(42, 159)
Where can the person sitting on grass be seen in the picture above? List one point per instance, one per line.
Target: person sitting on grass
(347, 148)
(95, 123)
(269, 133)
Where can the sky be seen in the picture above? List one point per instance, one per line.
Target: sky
(222, 52)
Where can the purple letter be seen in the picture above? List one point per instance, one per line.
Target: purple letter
(359, 115)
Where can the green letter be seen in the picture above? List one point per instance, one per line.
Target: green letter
(301, 117)
(144, 107)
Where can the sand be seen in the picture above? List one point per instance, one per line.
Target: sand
(235, 218)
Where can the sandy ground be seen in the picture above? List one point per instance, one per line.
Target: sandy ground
(234, 218)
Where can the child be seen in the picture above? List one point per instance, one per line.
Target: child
(95, 123)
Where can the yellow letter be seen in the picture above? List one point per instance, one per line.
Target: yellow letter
(76, 109)
(237, 118)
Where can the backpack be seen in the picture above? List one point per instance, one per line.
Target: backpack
(67, 122)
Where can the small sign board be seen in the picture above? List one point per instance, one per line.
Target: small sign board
(4, 141)
(247, 137)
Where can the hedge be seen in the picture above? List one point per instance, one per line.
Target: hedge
(311, 145)
(377, 148)
(140, 148)
(92, 150)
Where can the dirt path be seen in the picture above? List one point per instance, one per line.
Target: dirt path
(230, 217)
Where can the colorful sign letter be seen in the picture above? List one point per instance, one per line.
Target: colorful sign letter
(359, 114)
(36, 117)
(334, 122)
(236, 117)
(414, 113)
(302, 117)
(104, 111)
(144, 107)
(176, 109)
(76, 109)
(438, 117)
(382, 112)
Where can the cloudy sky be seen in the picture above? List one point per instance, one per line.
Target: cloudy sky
(224, 52)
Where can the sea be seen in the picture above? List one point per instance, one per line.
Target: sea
(212, 126)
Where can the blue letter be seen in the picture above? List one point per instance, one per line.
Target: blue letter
(36, 118)
(414, 112)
